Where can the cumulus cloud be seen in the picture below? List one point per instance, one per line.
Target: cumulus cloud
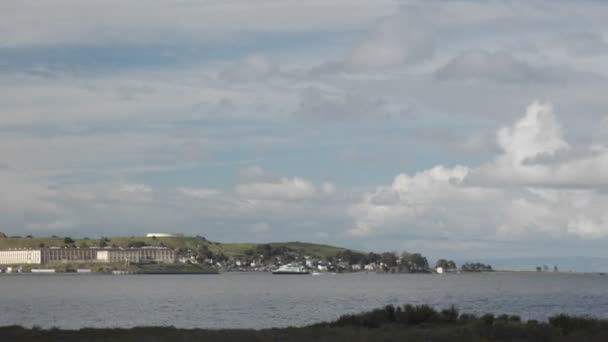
(506, 199)
(532, 155)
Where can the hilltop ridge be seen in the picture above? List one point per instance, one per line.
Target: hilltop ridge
(195, 243)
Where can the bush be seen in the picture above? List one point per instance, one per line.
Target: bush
(408, 315)
(514, 318)
(488, 319)
(467, 317)
(569, 324)
(532, 322)
(372, 319)
(503, 317)
(450, 315)
(412, 315)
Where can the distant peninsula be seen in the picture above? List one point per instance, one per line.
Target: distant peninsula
(177, 254)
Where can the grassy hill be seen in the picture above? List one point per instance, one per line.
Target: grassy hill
(193, 243)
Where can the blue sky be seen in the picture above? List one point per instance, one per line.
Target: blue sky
(458, 128)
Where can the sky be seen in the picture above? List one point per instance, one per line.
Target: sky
(459, 128)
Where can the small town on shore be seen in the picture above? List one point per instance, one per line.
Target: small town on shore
(178, 254)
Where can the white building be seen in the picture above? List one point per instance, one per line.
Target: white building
(162, 235)
(137, 255)
(370, 267)
(20, 256)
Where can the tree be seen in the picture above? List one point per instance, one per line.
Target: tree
(68, 241)
(373, 258)
(442, 263)
(389, 259)
(350, 257)
(103, 242)
(446, 264)
(415, 262)
(555, 269)
(476, 267)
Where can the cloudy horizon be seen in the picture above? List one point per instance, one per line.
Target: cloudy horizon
(451, 128)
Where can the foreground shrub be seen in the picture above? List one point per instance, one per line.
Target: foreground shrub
(449, 315)
(487, 319)
(568, 324)
(412, 315)
(514, 318)
(408, 315)
(467, 317)
(371, 319)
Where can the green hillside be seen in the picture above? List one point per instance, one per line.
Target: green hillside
(193, 243)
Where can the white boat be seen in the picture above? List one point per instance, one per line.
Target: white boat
(43, 270)
(291, 269)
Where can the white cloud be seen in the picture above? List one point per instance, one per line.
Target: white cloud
(285, 188)
(531, 151)
(199, 193)
(396, 41)
(507, 199)
(328, 188)
(537, 133)
(504, 67)
(264, 187)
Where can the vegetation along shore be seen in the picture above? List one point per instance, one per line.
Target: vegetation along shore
(406, 323)
(196, 254)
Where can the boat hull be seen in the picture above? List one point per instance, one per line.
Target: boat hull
(288, 272)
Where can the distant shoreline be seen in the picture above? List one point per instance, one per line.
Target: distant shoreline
(215, 272)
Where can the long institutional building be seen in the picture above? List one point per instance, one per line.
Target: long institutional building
(87, 255)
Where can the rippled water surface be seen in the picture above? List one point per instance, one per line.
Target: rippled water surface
(241, 300)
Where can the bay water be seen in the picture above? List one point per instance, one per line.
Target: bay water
(262, 300)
